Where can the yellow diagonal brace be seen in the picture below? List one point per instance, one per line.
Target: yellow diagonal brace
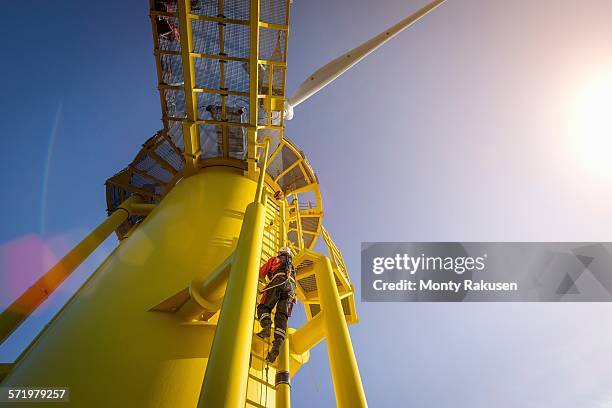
(23, 307)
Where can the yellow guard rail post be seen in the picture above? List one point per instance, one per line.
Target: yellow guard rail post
(226, 377)
(345, 373)
(25, 304)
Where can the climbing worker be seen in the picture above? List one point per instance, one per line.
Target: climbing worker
(279, 292)
(167, 27)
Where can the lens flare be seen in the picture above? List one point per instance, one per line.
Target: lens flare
(592, 124)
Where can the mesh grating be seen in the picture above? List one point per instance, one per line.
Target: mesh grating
(207, 73)
(206, 102)
(237, 76)
(166, 152)
(314, 309)
(211, 141)
(205, 7)
(272, 44)
(153, 168)
(172, 69)
(308, 284)
(308, 240)
(304, 264)
(175, 131)
(115, 196)
(160, 174)
(144, 162)
(346, 306)
(294, 179)
(281, 161)
(175, 103)
(262, 114)
(236, 9)
(238, 104)
(292, 236)
(278, 81)
(310, 223)
(273, 11)
(237, 142)
(145, 184)
(263, 76)
(237, 39)
(205, 37)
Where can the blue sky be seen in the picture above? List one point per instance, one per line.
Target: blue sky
(461, 128)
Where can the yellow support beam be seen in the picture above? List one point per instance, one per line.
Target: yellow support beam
(262, 173)
(345, 373)
(141, 209)
(309, 335)
(191, 133)
(25, 304)
(253, 86)
(283, 378)
(283, 222)
(227, 371)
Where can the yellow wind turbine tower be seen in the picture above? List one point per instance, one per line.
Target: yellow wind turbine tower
(167, 320)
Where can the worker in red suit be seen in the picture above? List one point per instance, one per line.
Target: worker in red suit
(280, 293)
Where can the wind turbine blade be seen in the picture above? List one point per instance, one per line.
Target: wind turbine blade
(337, 67)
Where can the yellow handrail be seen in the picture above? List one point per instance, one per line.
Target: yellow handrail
(262, 172)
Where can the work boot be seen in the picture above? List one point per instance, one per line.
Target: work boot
(275, 350)
(272, 355)
(264, 333)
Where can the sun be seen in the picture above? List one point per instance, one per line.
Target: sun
(592, 124)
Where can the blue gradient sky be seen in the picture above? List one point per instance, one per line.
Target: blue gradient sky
(459, 129)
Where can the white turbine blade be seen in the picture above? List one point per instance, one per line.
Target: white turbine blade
(337, 67)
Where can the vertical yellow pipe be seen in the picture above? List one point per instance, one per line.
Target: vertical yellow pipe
(283, 382)
(253, 84)
(283, 225)
(191, 131)
(21, 308)
(227, 371)
(344, 370)
(262, 173)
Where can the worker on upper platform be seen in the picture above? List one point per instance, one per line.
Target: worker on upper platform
(167, 26)
(279, 293)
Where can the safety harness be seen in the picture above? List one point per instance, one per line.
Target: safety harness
(285, 269)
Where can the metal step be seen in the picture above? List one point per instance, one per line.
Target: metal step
(261, 381)
(254, 404)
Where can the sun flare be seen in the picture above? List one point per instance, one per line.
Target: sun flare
(592, 124)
